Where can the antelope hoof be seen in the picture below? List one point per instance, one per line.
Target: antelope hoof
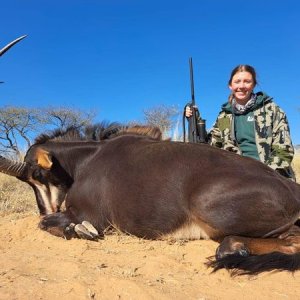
(69, 231)
(86, 231)
(231, 246)
(92, 230)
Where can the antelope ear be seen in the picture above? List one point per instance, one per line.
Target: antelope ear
(44, 159)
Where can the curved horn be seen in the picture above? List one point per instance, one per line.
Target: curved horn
(8, 46)
(11, 167)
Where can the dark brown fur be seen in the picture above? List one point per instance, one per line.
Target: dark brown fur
(154, 189)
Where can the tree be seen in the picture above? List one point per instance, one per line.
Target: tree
(164, 117)
(64, 117)
(19, 125)
(16, 127)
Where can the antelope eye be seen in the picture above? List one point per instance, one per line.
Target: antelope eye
(38, 175)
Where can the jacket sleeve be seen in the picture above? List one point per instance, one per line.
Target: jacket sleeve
(282, 150)
(214, 136)
(220, 134)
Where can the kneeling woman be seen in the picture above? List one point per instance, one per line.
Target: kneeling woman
(251, 124)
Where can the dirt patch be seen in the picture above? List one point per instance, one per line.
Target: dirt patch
(36, 265)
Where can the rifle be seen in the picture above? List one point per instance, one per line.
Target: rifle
(196, 125)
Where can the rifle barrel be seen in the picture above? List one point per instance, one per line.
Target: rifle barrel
(192, 81)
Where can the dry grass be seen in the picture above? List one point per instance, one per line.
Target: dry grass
(15, 196)
(18, 197)
(296, 166)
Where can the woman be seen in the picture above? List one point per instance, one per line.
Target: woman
(252, 125)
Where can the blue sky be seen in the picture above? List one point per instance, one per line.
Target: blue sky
(123, 56)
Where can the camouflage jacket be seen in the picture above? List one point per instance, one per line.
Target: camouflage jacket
(272, 133)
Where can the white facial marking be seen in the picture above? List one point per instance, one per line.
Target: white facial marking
(46, 196)
(54, 192)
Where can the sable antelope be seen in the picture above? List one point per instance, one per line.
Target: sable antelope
(156, 189)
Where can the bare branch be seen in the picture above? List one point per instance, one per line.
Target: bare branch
(64, 117)
(164, 117)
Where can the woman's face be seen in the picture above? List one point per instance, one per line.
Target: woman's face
(242, 85)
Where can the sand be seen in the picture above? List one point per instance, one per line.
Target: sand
(37, 265)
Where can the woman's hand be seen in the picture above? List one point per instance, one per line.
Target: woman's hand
(188, 111)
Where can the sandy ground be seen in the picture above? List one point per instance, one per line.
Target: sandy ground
(36, 265)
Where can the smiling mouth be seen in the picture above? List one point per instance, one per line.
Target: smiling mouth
(242, 93)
